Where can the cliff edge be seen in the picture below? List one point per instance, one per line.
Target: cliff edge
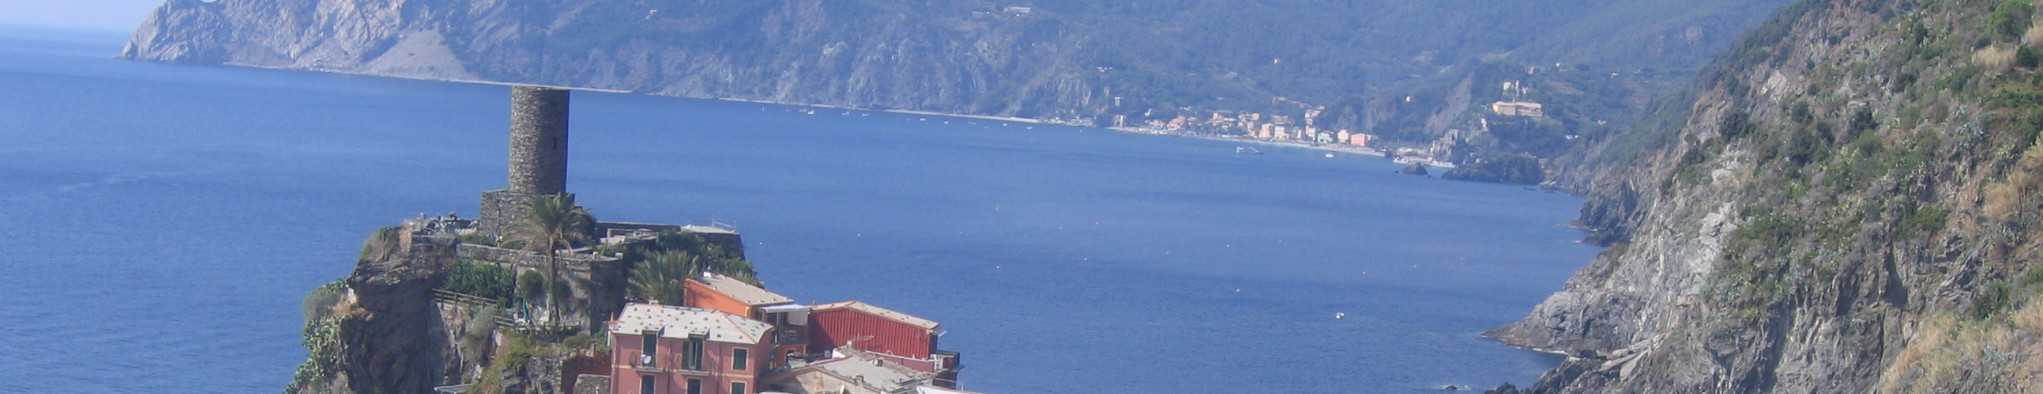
(1846, 201)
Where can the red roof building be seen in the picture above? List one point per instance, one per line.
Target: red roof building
(898, 337)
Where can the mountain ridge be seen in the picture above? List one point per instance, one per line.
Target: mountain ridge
(1055, 59)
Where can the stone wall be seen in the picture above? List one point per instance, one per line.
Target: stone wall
(592, 384)
(597, 283)
(501, 210)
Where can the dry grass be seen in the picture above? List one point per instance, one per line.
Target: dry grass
(1951, 354)
(2032, 159)
(2001, 201)
(2030, 318)
(1920, 361)
(2034, 36)
(1996, 59)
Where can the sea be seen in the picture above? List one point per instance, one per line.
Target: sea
(160, 224)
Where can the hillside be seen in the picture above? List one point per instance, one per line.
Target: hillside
(1846, 201)
(1049, 59)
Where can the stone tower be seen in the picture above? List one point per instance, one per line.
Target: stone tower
(538, 165)
(539, 137)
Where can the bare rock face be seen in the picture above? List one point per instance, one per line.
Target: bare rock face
(399, 343)
(1754, 248)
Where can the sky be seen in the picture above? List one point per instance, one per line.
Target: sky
(94, 14)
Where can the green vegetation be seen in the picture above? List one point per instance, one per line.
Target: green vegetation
(380, 245)
(478, 238)
(480, 280)
(2010, 18)
(662, 265)
(1505, 168)
(319, 304)
(661, 277)
(553, 223)
(531, 286)
(324, 308)
(1991, 300)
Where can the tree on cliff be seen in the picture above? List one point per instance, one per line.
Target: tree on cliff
(553, 222)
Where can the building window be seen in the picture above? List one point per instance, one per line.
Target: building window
(691, 354)
(694, 386)
(649, 346)
(738, 358)
(737, 387)
(645, 384)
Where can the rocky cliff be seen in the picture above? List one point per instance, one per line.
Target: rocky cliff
(1846, 201)
(379, 330)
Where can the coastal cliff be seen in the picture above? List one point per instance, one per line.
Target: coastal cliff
(1846, 201)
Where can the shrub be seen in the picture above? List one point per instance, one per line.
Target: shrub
(1738, 123)
(1924, 221)
(379, 246)
(2033, 279)
(2010, 18)
(1991, 300)
(478, 238)
(480, 280)
(319, 304)
(531, 284)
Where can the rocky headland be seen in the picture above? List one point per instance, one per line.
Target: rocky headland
(1839, 204)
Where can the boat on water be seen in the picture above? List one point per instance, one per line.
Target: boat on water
(1247, 149)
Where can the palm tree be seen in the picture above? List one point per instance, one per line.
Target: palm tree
(553, 222)
(663, 275)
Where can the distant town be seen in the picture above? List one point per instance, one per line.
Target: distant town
(1284, 130)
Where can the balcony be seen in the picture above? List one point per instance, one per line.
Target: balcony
(646, 363)
(789, 337)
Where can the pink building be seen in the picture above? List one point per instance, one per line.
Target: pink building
(675, 349)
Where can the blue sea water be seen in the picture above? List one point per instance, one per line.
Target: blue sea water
(160, 224)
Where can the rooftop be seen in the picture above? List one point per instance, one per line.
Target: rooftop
(874, 371)
(881, 312)
(743, 292)
(681, 322)
(940, 390)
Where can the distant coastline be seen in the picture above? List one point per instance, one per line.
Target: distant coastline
(1338, 148)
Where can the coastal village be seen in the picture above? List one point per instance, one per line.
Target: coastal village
(1285, 130)
(725, 335)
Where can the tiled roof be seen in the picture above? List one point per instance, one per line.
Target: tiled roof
(681, 322)
(881, 312)
(743, 292)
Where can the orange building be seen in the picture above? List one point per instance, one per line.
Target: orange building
(729, 295)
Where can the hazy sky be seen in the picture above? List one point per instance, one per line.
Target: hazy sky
(97, 14)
